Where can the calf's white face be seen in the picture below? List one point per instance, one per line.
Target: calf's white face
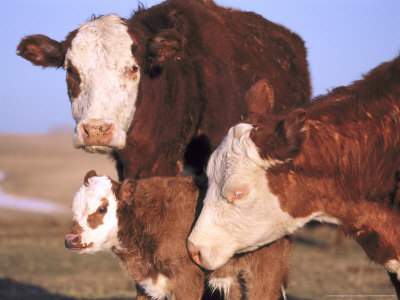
(103, 78)
(95, 224)
(240, 213)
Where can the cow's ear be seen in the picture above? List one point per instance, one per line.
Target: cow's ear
(41, 51)
(90, 174)
(259, 100)
(290, 134)
(164, 46)
(126, 190)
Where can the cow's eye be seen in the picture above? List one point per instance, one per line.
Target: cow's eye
(102, 210)
(73, 73)
(135, 69)
(238, 194)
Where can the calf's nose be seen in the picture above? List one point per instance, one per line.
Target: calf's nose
(72, 240)
(96, 132)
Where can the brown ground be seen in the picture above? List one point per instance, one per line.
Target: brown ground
(35, 265)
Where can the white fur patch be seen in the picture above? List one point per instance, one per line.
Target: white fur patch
(158, 290)
(86, 202)
(101, 52)
(393, 266)
(221, 284)
(226, 227)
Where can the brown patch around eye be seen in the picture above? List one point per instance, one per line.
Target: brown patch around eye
(96, 219)
(132, 73)
(73, 81)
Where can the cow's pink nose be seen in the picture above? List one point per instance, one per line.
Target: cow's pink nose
(194, 253)
(72, 240)
(96, 132)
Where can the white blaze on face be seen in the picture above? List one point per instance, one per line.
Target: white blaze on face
(85, 206)
(101, 52)
(240, 213)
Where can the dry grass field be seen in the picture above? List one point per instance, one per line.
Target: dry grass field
(35, 265)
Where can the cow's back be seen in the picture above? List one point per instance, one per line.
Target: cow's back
(201, 89)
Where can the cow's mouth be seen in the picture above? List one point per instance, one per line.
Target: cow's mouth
(79, 249)
(98, 149)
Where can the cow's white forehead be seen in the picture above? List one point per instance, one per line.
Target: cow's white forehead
(236, 151)
(105, 38)
(88, 197)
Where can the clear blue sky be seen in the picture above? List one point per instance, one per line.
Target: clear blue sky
(344, 38)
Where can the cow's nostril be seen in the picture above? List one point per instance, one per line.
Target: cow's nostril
(75, 240)
(72, 240)
(106, 129)
(196, 256)
(194, 253)
(85, 130)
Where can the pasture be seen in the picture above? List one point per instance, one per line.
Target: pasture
(35, 265)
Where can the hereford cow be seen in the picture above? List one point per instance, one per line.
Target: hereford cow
(145, 223)
(172, 75)
(337, 160)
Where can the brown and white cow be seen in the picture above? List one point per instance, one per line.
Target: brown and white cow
(337, 160)
(142, 89)
(145, 223)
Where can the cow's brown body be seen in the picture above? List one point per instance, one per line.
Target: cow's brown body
(201, 90)
(345, 151)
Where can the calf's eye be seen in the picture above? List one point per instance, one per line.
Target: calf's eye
(135, 69)
(102, 210)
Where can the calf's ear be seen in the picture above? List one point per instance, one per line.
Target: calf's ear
(290, 134)
(41, 51)
(164, 46)
(259, 100)
(90, 174)
(126, 189)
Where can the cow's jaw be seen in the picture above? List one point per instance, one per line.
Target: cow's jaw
(109, 76)
(97, 231)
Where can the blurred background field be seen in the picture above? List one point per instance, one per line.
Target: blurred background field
(35, 265)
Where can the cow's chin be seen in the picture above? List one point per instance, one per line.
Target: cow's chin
(98, 149)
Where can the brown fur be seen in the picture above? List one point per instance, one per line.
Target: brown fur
(76, 228)
(197, 61)
(346, 161)
(73, 81)
(155, 216)
(96, 219)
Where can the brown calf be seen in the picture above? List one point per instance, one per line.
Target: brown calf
(145, 223)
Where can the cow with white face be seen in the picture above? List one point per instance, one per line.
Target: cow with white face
(95, 223)
(240, 213)
(102, 77)
(337, 161)
(150, 90)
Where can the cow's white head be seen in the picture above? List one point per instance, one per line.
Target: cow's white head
(240, 213)
(95, 223)
(102, 76)
(102, 59)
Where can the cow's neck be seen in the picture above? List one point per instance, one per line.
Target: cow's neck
(137, 246)
(319, 182)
